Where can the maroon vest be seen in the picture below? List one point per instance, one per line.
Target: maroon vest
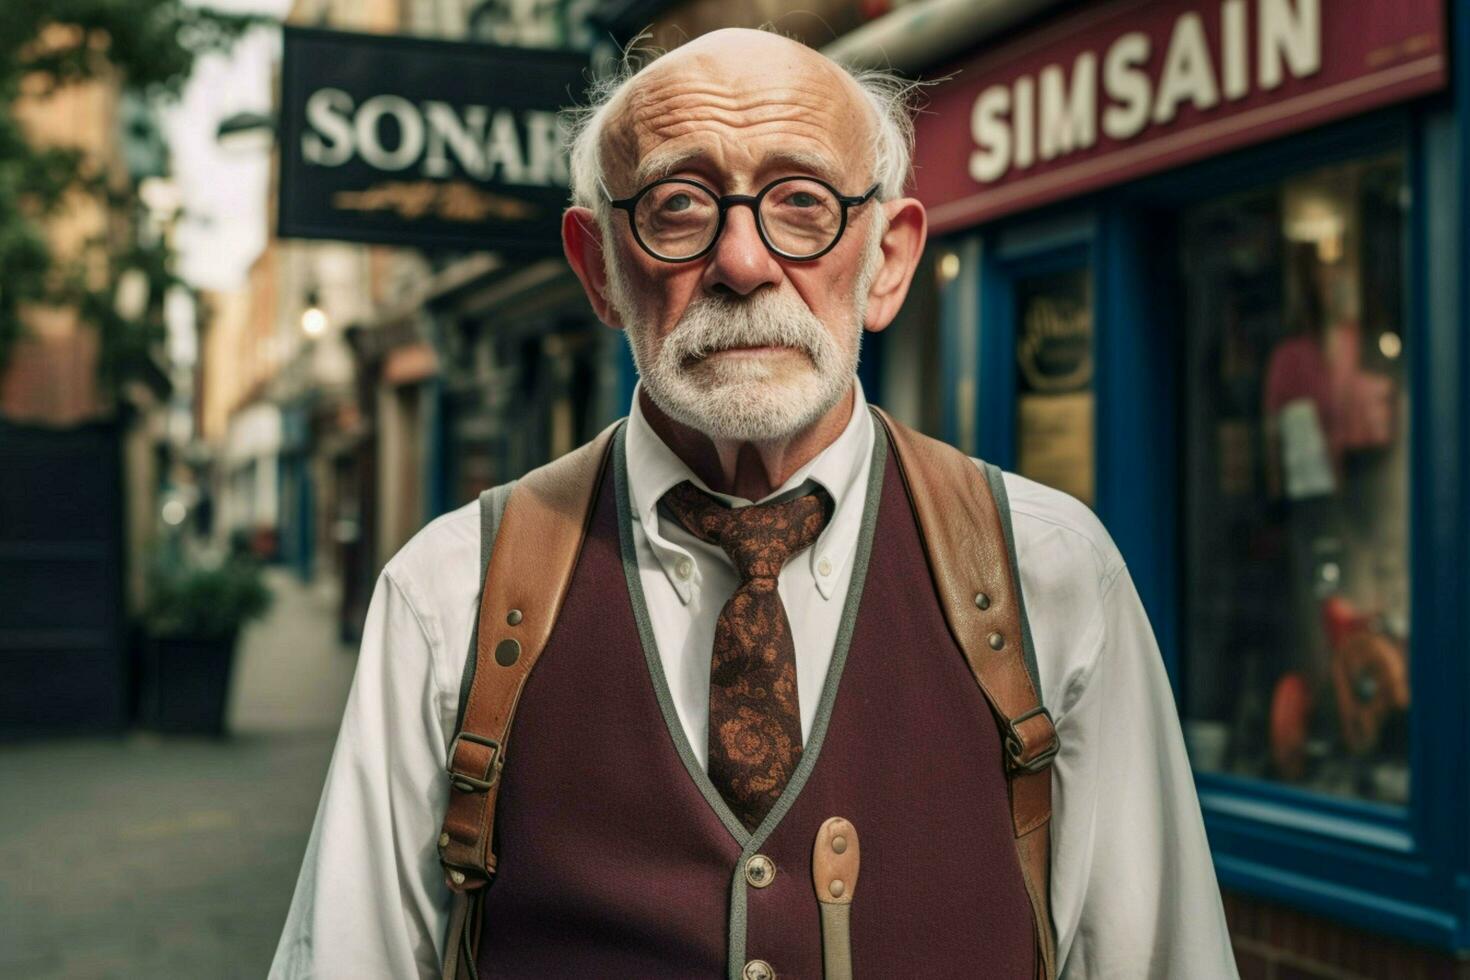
(612, 862)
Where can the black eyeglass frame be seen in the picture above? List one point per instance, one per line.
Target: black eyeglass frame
(727, 201)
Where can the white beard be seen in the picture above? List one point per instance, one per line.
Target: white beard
(744, 399)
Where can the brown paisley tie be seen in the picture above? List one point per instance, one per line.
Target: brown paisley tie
(754, 715)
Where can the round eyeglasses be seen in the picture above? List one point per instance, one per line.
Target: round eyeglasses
(679, 220)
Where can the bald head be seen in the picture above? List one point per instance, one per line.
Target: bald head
(729, 95)
(752, 55)
(743, 90)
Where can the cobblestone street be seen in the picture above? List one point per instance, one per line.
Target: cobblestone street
(175, 857)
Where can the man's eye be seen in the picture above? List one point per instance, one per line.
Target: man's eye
(678, 202)
(803, 199)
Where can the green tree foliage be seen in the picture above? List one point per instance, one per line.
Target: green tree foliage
(146, 46)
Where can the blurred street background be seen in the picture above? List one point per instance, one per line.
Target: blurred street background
(280, 282)
(174, 856)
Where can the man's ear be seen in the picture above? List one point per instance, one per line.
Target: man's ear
(581, 240)
(903, 243)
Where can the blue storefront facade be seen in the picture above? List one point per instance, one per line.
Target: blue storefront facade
(1230, 311)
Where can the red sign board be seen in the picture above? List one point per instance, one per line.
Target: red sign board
(1137, 86)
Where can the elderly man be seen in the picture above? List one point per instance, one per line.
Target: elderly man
(739, 212)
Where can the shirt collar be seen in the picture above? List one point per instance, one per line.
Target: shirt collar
(841, 468)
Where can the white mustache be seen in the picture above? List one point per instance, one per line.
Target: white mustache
(712, 324)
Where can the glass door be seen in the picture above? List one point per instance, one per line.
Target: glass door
(1055, 401)
(1037, 398)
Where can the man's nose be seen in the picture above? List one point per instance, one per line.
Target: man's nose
(741, 262)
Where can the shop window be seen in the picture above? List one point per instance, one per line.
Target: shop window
(1296, 472)
(1054, 396)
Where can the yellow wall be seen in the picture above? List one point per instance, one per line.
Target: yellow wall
(51, 378)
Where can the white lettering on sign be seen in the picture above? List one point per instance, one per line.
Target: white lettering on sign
(1012, 128)
(1289, 31)
(410, 132)
(1069, 118)
(393, 134)
(1189, 75)
(465, 138)
(1234, 58)
(992, 134)
(1127, 85)
(327, 111)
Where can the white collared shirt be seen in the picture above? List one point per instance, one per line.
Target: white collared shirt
(686, 581)
(1133, 887)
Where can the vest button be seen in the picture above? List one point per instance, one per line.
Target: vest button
(758, 970)
(760, 871)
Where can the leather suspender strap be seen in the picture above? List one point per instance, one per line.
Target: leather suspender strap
(536, 548)
(965, 543)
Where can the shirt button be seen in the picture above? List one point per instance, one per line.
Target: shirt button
(824, 567)
(758, 970)
(684, 568)
(760, 871)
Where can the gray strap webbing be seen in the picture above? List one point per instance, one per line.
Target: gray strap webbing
(492, 507)
(997, 483)
(457, 948)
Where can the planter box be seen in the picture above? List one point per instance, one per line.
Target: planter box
(185, 684)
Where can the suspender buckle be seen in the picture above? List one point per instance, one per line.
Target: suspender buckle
(1016, 747)
(478, 779)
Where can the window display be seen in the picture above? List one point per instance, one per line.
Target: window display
(1296, 482)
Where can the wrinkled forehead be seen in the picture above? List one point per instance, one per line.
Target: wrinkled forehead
(740, 112)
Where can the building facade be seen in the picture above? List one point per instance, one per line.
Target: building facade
(86, 440)
(1200, 263)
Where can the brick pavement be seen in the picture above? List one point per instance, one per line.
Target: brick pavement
(293, 672)
(152, 857)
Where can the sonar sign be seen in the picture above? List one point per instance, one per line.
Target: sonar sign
(408, 141)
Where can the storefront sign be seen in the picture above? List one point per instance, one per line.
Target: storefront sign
(416, 142)
(1137, 86)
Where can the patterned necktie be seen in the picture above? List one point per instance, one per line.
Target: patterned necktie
(754, 715)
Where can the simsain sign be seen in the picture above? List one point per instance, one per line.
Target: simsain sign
(1132, 87)
(409, 141)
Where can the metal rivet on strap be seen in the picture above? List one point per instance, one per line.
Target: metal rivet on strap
(513, 617)
(982, 600)
(997, 641)
(443, 840)
(839, 844)
(507, 652)
(457, 877)
(837, 888)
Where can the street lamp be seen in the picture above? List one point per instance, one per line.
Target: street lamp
(314, 320)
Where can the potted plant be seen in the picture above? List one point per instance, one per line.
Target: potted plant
(192, 620)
